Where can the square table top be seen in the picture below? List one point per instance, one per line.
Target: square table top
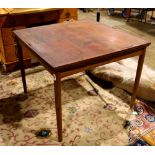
(76, 44)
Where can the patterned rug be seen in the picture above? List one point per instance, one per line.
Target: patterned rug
(86, 119)
(142, 129)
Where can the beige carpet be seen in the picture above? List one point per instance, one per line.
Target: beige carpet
(85, 120)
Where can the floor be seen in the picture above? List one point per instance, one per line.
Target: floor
(88, 119)
(83, 113)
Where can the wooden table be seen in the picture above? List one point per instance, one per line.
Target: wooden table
(68, 48)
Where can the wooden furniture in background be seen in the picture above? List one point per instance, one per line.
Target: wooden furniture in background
(13, 19)
(68, 48)
(142, 13)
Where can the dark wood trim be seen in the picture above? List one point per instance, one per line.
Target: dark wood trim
(57, 89)
(20, 54)
(137, 78)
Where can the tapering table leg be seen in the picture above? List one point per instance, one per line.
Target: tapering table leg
(57, 88)
(20, 55)
(137, 78)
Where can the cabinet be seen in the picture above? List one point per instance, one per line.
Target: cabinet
(11, 19)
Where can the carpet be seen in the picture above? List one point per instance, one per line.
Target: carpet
(86, 119)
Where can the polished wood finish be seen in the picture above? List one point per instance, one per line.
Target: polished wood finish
(137, 78)
(79, 43)
(68, 48)
(57, 88)
(1, 48)
(67, 14)
(41, 18)
(21, 11)
(74, 71)
(11, 53)
(20, 53)
(7, 35)
(12, 19)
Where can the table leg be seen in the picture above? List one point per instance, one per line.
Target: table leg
(20, 55)
(137, 78)
(57, 89)
(128, 14)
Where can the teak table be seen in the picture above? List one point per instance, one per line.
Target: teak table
(68, 48)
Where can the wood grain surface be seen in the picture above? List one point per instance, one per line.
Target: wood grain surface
(76, 44)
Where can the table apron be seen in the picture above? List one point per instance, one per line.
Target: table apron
(81, 69)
